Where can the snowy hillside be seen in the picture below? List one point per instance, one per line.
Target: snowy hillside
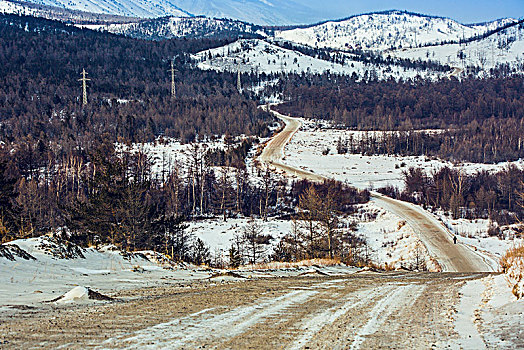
(273, 12)
(58, 13)
(386, 30)
(254, 55)
(506, 46)
(176, 27)
(276, 12)
(37, 269)
(17, 8)
(132, 8)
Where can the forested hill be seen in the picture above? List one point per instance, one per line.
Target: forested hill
(481, 120)
(129, 92)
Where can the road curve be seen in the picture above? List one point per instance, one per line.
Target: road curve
(436, 237)
(273, 153)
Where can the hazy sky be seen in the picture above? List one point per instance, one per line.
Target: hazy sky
(466, 11)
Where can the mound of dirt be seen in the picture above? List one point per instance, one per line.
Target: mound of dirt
(80, 293)
(60, 248)
(11, 251)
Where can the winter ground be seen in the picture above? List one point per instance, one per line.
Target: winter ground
(219, 235)
(474, 233)
(54, 269)
(329, 308)
(390, 240)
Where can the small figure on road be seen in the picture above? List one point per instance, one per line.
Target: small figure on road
(455, 239)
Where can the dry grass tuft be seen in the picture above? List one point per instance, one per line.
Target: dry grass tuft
(275, 265)
(512, 264)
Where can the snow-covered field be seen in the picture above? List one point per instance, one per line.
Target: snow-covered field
(306, 151)
(390, 240)
(166, 154)
(488, 315)
(219, 235)
(37, 270)
(474, 233)
(54, 272)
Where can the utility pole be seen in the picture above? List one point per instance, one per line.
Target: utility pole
(84, 81)
(173, 87)
(239, 83)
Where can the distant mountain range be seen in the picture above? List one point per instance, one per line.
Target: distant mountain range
(262, 12)
(187, 27)
(388, 34)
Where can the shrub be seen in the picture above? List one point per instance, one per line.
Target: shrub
(512, 264)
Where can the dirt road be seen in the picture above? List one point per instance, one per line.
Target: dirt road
(451, 257)
(437, 239)
(366, 310)
(273, 153)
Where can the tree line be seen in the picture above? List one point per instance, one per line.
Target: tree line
(110, 195)
(489, 195)
(479, 120)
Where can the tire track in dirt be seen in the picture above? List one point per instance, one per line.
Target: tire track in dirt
(370, 310)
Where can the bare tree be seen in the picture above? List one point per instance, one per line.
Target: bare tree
(309, 209)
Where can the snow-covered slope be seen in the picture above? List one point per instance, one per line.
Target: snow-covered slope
(132, 8)
(38, 269)
(268, 12)
(274, 12)
(58, 13)
(506, 46)
(386, 30)
(17, 8)
(176, 27)
(254, 55)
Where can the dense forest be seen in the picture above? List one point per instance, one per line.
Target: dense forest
(129, 91)
(480, 120)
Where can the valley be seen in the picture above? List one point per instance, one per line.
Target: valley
(260, 174)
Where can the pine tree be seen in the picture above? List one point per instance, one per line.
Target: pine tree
(8, 212)
(256, 243)
(200, 253)
(235, 258)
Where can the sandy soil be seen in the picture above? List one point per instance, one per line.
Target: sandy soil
(365, 310)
